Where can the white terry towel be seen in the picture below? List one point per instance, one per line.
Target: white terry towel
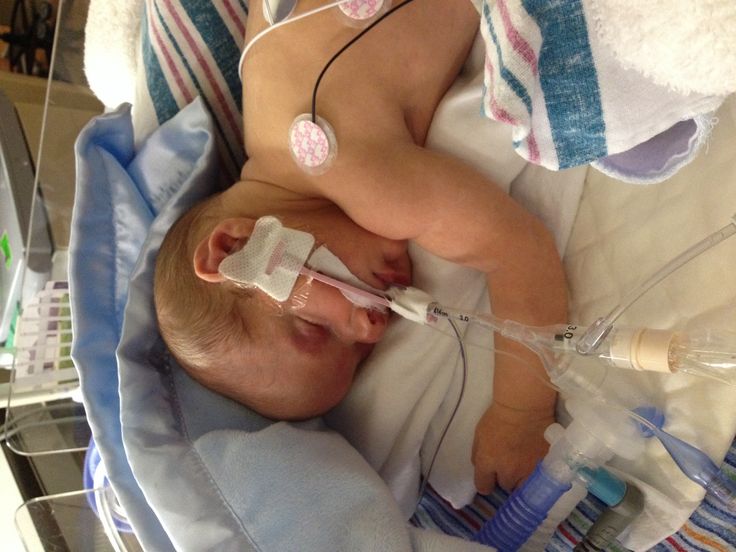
(686, 45)
(112, 34)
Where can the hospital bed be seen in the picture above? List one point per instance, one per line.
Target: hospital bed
(196, 471)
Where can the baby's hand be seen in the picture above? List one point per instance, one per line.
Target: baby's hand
(508, 444)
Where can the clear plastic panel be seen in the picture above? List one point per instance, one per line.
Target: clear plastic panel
(69, 521)
(44, 103)
(50, 427)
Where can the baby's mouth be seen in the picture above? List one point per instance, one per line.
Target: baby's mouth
(394, 278)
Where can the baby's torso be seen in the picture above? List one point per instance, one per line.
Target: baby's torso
(384, 87)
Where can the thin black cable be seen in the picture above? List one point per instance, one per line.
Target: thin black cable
(342, 50)
(464, 357)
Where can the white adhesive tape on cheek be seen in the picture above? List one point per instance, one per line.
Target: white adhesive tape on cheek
(271, 259)
(325, 261)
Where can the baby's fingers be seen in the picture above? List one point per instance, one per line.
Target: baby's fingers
(485, 479)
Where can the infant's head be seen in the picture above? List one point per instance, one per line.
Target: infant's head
(290, 360)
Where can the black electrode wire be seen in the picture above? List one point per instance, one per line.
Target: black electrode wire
(342, 50)
(464, 358)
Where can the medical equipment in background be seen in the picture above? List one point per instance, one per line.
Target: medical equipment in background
(45, 428)
(30, 31)
(593, 437)
(56, 426)
(613, 521)
(599, 482)
(25, 243)
(43, 368)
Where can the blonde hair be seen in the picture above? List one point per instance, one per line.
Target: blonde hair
(198, 320)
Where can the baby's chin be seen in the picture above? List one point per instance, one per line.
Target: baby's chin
(306, 404)
(329, 399)
(304, 410)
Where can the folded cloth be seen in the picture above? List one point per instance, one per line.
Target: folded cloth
(571, 101)
(696, 57)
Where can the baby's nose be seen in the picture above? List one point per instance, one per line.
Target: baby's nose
(364, 326)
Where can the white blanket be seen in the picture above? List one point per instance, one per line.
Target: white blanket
(622, 233)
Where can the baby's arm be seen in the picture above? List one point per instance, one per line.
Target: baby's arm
(407, 192)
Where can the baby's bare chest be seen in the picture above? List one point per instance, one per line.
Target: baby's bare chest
(388, 81)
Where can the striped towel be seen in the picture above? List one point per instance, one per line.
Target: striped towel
(192, 49)
(571, 102)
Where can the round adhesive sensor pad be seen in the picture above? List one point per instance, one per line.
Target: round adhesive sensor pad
(362, 12)
(313, 145)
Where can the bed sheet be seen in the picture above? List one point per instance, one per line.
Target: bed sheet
(623, 234)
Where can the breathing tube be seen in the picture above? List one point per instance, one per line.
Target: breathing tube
(702, 352)
(597, 331)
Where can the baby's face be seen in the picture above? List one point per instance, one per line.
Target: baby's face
(302, 355)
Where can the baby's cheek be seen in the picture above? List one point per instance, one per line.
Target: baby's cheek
(340, 380)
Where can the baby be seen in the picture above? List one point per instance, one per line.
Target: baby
(297, 359)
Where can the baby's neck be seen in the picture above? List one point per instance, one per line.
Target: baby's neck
(255, 198)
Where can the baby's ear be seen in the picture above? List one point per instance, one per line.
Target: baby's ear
(226, 238)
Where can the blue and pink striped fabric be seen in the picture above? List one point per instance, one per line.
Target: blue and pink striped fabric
(570, 102)
(542, 79)
(191, 48)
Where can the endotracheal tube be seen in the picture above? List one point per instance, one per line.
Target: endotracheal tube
(701, 351)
